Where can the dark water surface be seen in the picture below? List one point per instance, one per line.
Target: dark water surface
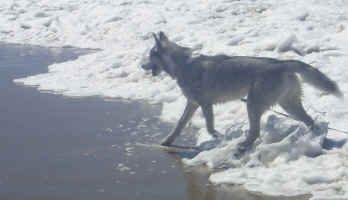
(54, 147)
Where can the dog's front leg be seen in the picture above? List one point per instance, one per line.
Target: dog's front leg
(209, 119)
(190, 109)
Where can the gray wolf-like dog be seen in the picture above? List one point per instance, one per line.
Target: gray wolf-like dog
(207, 80)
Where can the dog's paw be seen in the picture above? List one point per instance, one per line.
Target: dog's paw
(167, 141)
(240, 151)
(216, 134)
(319, 128)
(242, 148)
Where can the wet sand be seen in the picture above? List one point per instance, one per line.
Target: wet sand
(55, 147)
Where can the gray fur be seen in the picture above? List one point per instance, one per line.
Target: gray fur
(207, 80)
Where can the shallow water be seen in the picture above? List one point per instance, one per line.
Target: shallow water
(54, 147)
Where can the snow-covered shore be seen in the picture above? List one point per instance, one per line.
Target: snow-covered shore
(288, 159)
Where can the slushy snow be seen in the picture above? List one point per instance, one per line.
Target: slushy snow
(288, 159)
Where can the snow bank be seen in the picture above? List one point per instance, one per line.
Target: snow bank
(288, 159)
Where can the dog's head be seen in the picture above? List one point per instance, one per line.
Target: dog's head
(165, 55)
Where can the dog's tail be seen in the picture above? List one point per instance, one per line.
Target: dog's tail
(314, 77)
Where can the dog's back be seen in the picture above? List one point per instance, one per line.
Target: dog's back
(223, 78)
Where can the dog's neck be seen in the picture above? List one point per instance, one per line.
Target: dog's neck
(179, 62)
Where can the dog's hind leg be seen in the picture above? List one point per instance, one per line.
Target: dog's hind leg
(209, 119)
(292, 103)
(190, 109)
(263, 93)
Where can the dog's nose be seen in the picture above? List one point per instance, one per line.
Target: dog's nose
(145, 63)
(146, 66)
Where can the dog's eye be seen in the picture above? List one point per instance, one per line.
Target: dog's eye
(154, 52)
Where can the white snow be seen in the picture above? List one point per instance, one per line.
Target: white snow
(288, 159)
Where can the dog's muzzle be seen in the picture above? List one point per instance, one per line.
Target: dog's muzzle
(154, 69)
(147, 65)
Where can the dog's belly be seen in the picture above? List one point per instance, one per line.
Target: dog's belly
(229, 94)
(212, 90)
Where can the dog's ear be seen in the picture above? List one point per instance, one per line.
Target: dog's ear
(158, 42)
(163, 37)
(162, 41)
